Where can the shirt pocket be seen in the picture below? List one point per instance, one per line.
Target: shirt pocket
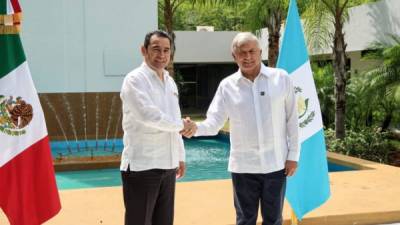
(277, 90)
(239, 106)
(277, 98)
(174, 97)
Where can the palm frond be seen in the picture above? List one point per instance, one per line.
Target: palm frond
(262, 13)
(215, 2)
(318, 26)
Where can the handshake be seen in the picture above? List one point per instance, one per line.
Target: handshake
(189, 128)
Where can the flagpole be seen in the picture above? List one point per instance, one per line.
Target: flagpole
(294, 220)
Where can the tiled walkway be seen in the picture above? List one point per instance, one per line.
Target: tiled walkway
(363, 197)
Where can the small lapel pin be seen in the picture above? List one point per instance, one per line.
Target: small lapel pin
(262, 93)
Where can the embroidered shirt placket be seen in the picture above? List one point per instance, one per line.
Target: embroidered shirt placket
(260, 131)
(166, 101)
(172, 135)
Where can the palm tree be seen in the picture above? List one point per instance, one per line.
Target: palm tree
(271, 15)
(324, 24)
(168, 8)
(259, 14)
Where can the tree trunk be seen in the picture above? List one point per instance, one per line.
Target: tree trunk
(168, 20)
(274, 35)
(339, 66)
(386, 121)
(369, 119)
(273, 47)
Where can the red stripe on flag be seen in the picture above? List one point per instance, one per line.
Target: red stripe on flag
(15, 5)
(28, 190)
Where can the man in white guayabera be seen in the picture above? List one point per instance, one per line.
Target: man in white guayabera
(153, 155)
(261, 106)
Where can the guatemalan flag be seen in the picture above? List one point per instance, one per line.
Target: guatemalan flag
(28, 191)
(309, 188)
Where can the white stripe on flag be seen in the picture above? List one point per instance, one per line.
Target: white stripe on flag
(302, 78)
(18, 83)
(10, 9)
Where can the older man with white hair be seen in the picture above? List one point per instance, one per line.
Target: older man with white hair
(261, 106)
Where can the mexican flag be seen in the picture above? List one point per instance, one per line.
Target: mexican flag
(28, 191)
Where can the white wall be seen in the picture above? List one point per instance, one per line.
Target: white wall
(203, 47)
(84, 45)
(210, 47)
(372, 22)
(368, 23)
(359, 65)
(89, 45)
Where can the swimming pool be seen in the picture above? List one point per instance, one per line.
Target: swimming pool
(206, 159)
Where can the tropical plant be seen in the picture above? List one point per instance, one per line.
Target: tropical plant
(260, 14)
(384, 81)
(366, 144)
(221, 17)
(359, 103)
(323, 77)
(324, 24)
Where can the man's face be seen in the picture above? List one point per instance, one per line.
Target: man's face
(158, 53)
(248, 58)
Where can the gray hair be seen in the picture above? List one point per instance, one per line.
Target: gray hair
(243, 38)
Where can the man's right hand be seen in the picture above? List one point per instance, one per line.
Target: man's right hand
(189, 128)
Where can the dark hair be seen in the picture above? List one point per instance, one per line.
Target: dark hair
(158, 33)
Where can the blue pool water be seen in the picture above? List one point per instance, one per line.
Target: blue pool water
(206, 159)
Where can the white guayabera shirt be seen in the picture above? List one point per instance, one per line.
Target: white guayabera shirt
(262, 117)
(151, 121)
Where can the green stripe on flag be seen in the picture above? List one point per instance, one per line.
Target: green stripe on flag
(3, 7)
(11, 53)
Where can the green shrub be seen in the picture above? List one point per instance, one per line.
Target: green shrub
(367, 144)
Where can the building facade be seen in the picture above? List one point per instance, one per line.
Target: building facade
(79, 52)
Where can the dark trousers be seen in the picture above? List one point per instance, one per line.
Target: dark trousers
(252, 190)
(149, 196)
